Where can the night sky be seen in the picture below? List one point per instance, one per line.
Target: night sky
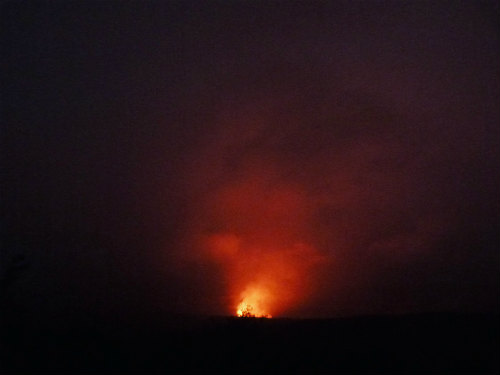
(337, 158)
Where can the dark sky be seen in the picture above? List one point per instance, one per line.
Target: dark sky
(171, 156)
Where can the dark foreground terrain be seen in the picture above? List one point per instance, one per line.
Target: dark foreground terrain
(429, 343)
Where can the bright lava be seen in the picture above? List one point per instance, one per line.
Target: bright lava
(246, 311)
(253, 304)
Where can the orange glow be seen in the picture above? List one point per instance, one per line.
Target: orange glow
(265, 275)
(253, 304)
(256, 230)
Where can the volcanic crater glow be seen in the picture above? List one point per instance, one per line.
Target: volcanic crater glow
(253, 304)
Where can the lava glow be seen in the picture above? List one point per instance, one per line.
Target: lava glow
(253, 226)
(253, 304)
(264, 275)
(246, 310)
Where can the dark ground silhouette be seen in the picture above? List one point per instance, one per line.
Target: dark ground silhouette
(426, 343)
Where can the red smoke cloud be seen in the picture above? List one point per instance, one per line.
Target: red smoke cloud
(254, 226)
(340, 185)
(300, 202)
